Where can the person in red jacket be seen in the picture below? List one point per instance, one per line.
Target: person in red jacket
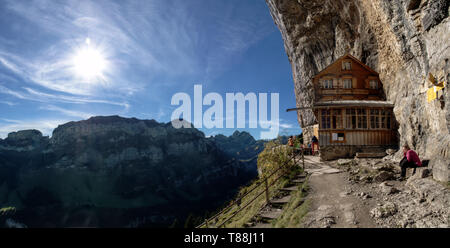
(410, 160)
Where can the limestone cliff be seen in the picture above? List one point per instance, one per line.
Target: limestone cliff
(240, 145)
(114, 172)
(403, 40)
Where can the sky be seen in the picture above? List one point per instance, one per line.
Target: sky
(64, 61)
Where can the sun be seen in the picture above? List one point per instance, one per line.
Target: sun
(88, 62)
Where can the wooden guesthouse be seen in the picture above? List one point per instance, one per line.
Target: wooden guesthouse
(351, 110)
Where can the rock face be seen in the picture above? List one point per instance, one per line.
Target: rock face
(441, 169)
(113, 171)
(418, 202)
(403, 40)
(240, 145)
(384, 211)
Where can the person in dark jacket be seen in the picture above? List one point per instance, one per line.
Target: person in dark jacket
(410, 160)
(314, 144)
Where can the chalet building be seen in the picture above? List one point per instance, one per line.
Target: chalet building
(351, 111)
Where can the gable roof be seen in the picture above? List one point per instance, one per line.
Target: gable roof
(349, 57)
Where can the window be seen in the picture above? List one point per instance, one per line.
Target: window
(337, 119)
(374, 119)
(326, 119)
(356, 118)
(327, 83)
(350, 118)
(347, 83)
(380, 118)
(346, 65)
(362, 118)
(385, 119)
(388, 119)
(336, 137)
(373, 84)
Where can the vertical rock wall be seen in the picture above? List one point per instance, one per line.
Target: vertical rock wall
(404, 40)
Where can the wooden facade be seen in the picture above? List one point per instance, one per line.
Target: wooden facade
(350, 106)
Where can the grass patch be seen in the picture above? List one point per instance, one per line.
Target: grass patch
(295, 210)
(248, 214)
(269, 161)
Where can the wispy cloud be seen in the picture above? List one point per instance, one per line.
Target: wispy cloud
(8, 103)
(68, 112)
(145, 44)
(160, 39)
(281, 123)
(35, 95)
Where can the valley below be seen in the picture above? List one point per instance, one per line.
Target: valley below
(120, 172)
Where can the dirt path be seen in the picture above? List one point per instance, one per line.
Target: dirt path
(331, 199)
(365, 193)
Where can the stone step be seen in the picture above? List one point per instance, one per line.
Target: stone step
(281, 201)
(271, 214)
(261, 225)
(298, 180)
(290, 189)
(249, 224)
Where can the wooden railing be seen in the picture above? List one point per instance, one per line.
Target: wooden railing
(207, 223)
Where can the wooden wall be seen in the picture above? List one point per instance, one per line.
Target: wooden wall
(360, 75)
(360, 137)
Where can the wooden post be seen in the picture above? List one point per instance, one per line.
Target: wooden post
(267, 190)
(303, 156)
(293, 153)
(303, 159)
(206, 223)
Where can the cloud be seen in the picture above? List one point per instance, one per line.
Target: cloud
(286, 125)
(144, 42)
(68, 112)
(276, 123)
(13, 93)
(160, 37)
(34, 94)
(37, 96)
(8, 103)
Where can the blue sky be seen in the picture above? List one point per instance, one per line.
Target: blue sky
(140, 53)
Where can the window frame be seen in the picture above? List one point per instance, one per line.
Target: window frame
(361, 118)
(336, 119)
(377, 85)
(347, 79)
(350, 119)
(380, 119)
(344, 65)
(325, 118)
(338, 133)
(327, 82)
(356, 119)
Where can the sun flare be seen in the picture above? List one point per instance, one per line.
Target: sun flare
(88, 62)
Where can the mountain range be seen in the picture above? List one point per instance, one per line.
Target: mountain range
(110, 171)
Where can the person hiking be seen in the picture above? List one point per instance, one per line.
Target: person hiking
(291, 141)
(410, 160)
(314, 144)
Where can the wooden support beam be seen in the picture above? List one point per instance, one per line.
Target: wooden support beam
(297, 109)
